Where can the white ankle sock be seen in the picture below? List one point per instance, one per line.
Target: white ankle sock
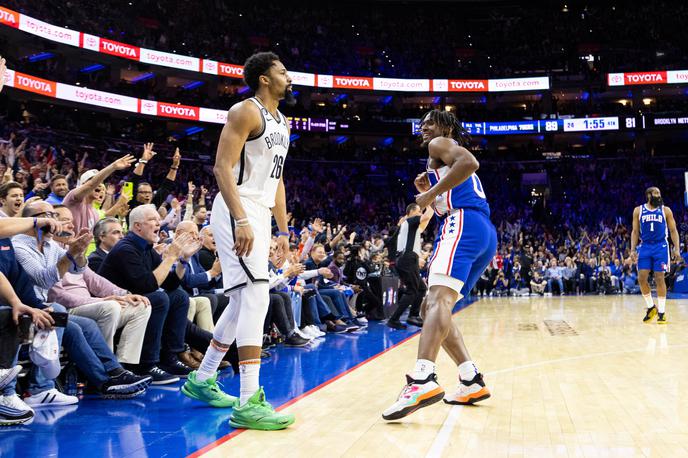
(211, 361)
(467, 370)
(423, 369)
(249, 373)
(648, 300)
(661, 304)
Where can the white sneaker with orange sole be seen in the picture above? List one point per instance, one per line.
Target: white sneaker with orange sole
(469, 392)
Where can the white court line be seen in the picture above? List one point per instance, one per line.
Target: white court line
(442, 438)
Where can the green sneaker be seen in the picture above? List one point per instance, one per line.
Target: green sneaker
(208, 392)
(257, 413)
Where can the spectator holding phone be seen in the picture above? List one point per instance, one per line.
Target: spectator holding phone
(46, 262)
(80, 200)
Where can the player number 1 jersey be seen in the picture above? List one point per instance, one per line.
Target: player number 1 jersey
(653, 226)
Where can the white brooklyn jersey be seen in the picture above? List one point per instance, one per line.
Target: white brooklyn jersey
(261, 164)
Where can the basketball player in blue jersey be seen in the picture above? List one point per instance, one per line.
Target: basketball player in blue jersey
(466, 243)
(652, 222)
(248, 168)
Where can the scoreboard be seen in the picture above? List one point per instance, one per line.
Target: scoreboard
(544, 126)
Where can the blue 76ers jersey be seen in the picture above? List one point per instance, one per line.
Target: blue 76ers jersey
(468, 194)
(653, 226)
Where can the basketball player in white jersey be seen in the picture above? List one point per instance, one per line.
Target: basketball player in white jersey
(248, 168)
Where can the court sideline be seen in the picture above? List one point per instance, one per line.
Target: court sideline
(571, 376)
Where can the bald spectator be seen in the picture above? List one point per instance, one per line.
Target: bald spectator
(90, 295)
(134, 265)
(46, 262)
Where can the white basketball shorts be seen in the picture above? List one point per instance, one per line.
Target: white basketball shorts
(238, 271)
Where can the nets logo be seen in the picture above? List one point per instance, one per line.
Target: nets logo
(349, 82)
(37, 85)
(9, 17)
(177, 111)
(645, 78)
(467, 85)
(119, 49)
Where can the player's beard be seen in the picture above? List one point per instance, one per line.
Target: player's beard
(289, 98)
(656, 201)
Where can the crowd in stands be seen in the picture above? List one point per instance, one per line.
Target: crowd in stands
(124, 246)
(518, 37)
(336, 39)
(133, 264)
(350, 107)
(115, 236)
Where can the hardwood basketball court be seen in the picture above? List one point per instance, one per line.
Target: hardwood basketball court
(570, 376)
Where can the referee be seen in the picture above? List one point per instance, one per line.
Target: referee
(408, 249)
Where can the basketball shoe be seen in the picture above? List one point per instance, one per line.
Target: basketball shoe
(257, 413)
(661, 319)
(469, 392)
(650, 314)
(415, 395)
(208, 392)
